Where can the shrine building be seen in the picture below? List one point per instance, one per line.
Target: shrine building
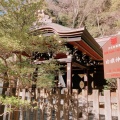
(84, 65)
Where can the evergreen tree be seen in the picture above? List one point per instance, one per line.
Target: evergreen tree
(111, 84)
(21, 51)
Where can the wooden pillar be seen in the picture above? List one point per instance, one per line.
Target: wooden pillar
(118, 94)
(69, 75)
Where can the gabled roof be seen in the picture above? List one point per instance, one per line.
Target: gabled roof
(79, 38)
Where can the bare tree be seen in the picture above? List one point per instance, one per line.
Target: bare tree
(93, 14)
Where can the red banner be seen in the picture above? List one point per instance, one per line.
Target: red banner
(111, 58)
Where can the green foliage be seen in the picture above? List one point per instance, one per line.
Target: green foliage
(15, 103)
(16, 22)
(47, 72)
(17, 40)
(17, 44)
(111, 84)
(64, 19)
(53, 44)
(46, 80)
(50, 66)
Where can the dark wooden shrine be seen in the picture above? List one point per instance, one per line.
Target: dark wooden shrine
(84, 65)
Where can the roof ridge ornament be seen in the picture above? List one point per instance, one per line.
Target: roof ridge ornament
(42, 18)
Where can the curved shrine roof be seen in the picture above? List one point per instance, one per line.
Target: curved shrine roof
(79, 38)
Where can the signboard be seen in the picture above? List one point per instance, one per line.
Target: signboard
(111, 58)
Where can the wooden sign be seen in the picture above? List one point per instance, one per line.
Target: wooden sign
(111, 58)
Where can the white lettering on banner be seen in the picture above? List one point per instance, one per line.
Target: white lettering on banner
(117, 59)
(112, 60)
(115, 46)
(107, 61)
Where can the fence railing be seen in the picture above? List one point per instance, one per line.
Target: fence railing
(54, 105)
